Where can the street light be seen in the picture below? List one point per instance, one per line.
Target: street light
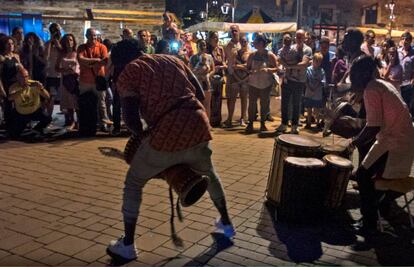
(392, 17)
(225, 8)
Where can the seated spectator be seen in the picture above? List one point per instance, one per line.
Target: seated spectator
(27, 97)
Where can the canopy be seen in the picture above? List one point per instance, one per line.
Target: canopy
(256, 15)
(245, 27)
(382, 31)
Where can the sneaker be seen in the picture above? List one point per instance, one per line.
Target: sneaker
(263, 127)
(294, 130)
(227, 124)
(282, 128)
(227, 230)
(242, 123)
(249, 128)
(117, 250)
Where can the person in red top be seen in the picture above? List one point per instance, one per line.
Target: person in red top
(92, 58)
(162, 90)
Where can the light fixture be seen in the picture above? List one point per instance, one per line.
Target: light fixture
(214, 3)
(225, 8)
(203, 15)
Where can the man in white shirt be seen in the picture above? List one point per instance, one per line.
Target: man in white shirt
(389, 121)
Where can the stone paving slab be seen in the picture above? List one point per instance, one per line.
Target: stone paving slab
(60, 205)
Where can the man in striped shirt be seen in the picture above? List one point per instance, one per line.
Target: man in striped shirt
(160, 89)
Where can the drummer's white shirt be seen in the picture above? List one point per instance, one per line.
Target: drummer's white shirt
(385, 108)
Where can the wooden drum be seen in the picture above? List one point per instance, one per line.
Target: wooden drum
(287, 145)
(338, 150)
(304, 188)
(338, 171)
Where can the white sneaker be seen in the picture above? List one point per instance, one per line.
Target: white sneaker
(117, 249)
(282, 128)
(227, 230)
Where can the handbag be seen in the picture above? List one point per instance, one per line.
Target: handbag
(71, 83)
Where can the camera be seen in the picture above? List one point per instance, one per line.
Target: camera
(175, 47)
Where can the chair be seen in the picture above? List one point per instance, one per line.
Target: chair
(404, 186)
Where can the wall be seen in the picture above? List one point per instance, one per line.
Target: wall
(109, 29)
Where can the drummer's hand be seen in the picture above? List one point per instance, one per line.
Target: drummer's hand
(351, 147)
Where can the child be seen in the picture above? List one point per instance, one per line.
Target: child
(315, 82)
(201, 71)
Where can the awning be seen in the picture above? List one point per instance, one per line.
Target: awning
(245, 27)
(383, 31)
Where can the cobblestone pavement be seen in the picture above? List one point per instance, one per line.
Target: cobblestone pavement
(60, 205)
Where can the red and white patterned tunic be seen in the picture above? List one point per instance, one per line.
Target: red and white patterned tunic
(161, 81)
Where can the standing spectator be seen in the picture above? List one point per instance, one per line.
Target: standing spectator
(144, 37)
(163, 47)
(340, 67)
(52, 53)
(9, 61)
(315, 82)
(406, 54)
(169, 29)
(241, 75)
(295, 81)
(127, 34)
(32, 57)
(368, 46)
(190, 47)
(261, 64)
(328, 56)
(67, 64)
(393, 71)
(231, 55)
(92, 57)
(217, 52)
(119, 60)
(310, 40)
(17, 34)
(203, 71)
(26, 96)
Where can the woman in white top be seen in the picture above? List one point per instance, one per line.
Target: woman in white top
(261, 64)
(67, 64)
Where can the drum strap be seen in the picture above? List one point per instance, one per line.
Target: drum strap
(176, 239)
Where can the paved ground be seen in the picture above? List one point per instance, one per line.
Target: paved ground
(60, 205)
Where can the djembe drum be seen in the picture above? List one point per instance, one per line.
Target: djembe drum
(287, 145)
(188, 185)
(338, 171)
(338, 150)
(304, 188)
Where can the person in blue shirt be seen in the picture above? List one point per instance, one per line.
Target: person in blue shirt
(315, 82)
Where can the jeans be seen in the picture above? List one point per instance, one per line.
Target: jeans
(264, 95)
(291, 94)
(148, 162)
(116, 108)
(407, 93)
(20, 121)
(367, 192)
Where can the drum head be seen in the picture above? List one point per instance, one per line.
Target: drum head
(297, 140)
(305, 162)
(338, 161)
(333, 148)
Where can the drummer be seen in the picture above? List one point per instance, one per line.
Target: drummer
(389, 121)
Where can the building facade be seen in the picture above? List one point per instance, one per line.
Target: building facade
(107, 16)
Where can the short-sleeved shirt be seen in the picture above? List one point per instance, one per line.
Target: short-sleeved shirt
(167, 99)
(297, 75)
(407, 63)
(386, 109)
(51, 60)
(88, 74)
(315, 81)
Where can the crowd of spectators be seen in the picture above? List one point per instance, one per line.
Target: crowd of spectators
(83, 76)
